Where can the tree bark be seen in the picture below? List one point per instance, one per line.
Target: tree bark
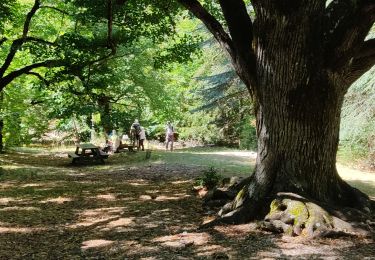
(298, 94)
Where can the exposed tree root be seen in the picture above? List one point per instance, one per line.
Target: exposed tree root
(294, 215)
(290, 214)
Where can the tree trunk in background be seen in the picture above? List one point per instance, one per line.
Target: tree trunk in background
(105, 113)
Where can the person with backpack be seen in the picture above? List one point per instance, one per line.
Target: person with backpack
(135, 130)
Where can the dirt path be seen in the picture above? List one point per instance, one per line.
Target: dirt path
(49, 210)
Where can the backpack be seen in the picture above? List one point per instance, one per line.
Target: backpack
(137, 128)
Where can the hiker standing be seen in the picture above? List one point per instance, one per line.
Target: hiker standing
(169, 135)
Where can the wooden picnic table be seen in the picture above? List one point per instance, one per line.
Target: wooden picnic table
(87, 153)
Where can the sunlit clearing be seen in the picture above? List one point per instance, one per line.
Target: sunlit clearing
(364, 181)
(183, 239)
(96, 216)
(95, 243)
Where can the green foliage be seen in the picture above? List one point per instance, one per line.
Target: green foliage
(223, 95)
(357, 131)
(24, 120)
(209, 179)
(248, 138)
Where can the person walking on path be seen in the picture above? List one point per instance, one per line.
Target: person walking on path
(169, 135)
(142, 138)
(135, 129)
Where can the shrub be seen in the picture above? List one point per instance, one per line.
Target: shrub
(209, 179)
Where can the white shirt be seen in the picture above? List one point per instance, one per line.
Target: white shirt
(142, 134)
(169, 129)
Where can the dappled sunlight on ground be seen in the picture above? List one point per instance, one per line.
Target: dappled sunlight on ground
(184, 239)
(165, 198)
(4, 201)
(120, 222)
(180, 182)
(108, 197)
(95, 243)
(94, 217)
(19, 208)
(211, 250)
(145, 197)
(137, 183)
(19, 230)
(58, 200)
(143, 211)
(135, 248)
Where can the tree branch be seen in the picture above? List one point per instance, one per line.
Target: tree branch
(238, 44)
(239, 23)
(4, 81)
(367, 49)
(56, 9)
(40, 77)
(211, 23)
(16, 44)
(348, 24)
(2, 40)
(35, 39)
(362, 62)
(241, 30)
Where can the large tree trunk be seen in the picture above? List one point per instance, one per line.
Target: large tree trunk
(299, 105)
(298, 109)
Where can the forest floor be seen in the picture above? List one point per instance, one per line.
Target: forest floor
(131, 208)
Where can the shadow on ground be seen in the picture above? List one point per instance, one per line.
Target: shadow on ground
(131, 209)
